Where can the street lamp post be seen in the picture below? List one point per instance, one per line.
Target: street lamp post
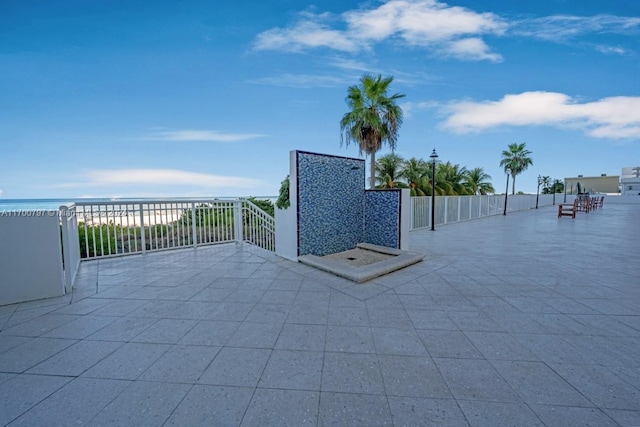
(433, 158)
(538, 190)
(555, 188)
(506, 192)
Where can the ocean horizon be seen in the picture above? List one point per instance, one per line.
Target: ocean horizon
(7, 205)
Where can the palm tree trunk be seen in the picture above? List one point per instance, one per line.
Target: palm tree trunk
(372, 170)
(513, 184)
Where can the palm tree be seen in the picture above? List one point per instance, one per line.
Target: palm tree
(477, 181)
(545, 181)
(374, 119)
(557, 186)
(516, 160)
(416, 173)
(388, 169)
(450, 179)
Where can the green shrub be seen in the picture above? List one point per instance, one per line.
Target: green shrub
(207, 214)
(283, 201)
(265, 205)
(99, 239)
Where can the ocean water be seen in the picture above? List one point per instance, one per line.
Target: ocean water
(8, 205)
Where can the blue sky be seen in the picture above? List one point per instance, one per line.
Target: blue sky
(207, 98)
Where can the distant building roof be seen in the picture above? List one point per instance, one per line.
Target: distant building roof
(631, 172)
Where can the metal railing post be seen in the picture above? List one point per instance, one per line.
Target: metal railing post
(143, 240)
(193, 224)
(237, 221)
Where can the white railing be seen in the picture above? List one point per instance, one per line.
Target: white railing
(116, 228)
(258, 227)
(450, 209)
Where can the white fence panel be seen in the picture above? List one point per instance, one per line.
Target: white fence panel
(450, 209)
(420, 212)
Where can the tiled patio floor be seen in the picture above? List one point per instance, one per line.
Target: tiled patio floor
(519, 320)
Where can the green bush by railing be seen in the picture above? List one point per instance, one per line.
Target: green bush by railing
(97, 240)
(205, 223)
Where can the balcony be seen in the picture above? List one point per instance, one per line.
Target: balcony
(524, 318)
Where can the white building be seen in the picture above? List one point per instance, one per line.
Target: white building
(630, 181)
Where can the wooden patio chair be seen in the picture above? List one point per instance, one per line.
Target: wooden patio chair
(583, 204)
(568, 209)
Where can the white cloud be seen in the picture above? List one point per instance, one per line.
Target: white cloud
(408, 108)
(166, 177)
(471, 49)
(614, 117)
(423, 23)
(452, 31)
(201, 135)
(612, 50)
(126, 178)
(1, 192)
(304, 35)
(349, 64)
(563, 27)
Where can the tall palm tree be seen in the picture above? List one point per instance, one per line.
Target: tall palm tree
(374, 118)
(388, 169)
(516, 160)
(416, 173)
(477, 181)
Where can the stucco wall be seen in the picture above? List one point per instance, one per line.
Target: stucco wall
(30, 257)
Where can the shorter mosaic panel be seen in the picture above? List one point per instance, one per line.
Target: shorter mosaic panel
(382, 218)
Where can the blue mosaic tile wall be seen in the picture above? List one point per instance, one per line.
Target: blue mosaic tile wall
(382, 218)
(330, 203)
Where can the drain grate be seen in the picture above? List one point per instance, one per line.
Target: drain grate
(352, 258)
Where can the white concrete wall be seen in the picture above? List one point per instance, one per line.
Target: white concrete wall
(286, 220)
(286, 233)
(405, 218)
(70, 245)
(30, 257)
(630, 186)
(619, 200)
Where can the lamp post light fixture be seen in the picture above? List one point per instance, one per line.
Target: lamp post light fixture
(433, 157)
(538, 190)
(506, 192)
